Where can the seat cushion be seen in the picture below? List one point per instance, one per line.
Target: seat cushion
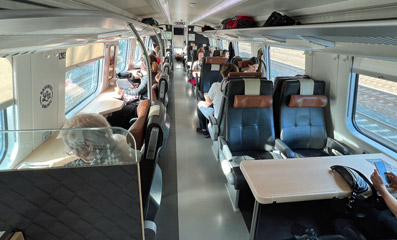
(303, 152)
(254, 154)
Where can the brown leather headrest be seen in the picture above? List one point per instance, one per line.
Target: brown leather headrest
(248, 101)
(245, 74)
(243, 64)
(308, 101)
(215, 60)
(154, 91)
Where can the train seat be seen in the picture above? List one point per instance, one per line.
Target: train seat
(246, 128)
(302, 122)
(155, 89)
(210, 73)
(278, 82)
(156, 135)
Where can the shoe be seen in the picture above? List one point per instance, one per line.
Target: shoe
(203, 131)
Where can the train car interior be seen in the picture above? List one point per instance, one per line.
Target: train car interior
(176, 119)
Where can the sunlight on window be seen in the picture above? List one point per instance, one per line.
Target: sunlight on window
(286, 62)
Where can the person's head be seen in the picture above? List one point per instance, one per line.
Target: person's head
(212, 49)
(253, 64)
(200, 54)
(157, 50)
(86, 143)
(152, 57)
(225, 53)
(228, 68)
(192, 44)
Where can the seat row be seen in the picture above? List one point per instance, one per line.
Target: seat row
(247, 128)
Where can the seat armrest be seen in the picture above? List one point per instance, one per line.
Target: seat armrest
(133, 120)
(200, 95)
(336, 148)
(239, 179)
(225, 148)
(285, 151)
(213, 127)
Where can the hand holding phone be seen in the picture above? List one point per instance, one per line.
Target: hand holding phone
(380, 166)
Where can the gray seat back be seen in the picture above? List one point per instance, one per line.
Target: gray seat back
(100, 202)
(302, 127)
(247, 128)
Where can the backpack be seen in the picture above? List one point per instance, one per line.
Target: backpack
(278, 19)
(227, 23)
(150, 21)
(243, 22)
(206, 28)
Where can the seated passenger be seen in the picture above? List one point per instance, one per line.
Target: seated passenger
(213, 98)
(382, 224)
(196, 67)
(156, 51)
(225, 54)
(212, 49)
(95, 147)
(253, 64)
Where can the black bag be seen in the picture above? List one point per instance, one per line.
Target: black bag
(150, 21)
(124, 75)
(206, 28)
(278, 19)
(358, 206)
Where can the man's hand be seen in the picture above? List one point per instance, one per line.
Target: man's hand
(377, 181)
(201, 104)
(393, 179)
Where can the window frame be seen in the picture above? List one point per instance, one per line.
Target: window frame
(91, 97)
(3, 124)
(367, 136)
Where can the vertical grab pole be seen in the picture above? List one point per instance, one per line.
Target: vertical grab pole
(161, 48)
(148, 64)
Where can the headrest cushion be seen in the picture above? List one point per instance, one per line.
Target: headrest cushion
(243, 64)
(247, 101)
(215, 60)
(308, 101)
(245, 74)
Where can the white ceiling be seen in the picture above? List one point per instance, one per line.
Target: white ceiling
(180, 9)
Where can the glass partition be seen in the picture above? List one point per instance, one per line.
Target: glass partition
(56, 148)
(80, 183)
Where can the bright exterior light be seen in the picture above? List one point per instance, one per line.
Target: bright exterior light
(220, 7)
(164, 6)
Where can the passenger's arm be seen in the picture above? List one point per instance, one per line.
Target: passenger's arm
(140, 89)
(378, 183)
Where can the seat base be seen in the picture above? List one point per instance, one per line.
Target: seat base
(234, 195)
(255, 154)
(309, 152)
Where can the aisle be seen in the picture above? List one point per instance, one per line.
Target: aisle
(204, 208)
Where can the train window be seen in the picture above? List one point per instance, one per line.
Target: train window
(81, 83)
(122, 55)
(286, 62)
(225, 44)
(138, 53)
(244, 49)
(375, 107)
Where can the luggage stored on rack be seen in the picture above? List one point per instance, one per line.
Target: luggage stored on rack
(244, 22)
(278, 19)
(206, 28)
(227, 23)
(150, 21)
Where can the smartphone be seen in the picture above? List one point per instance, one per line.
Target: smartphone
(380, 166)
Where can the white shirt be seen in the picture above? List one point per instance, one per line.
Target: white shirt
(215, 93)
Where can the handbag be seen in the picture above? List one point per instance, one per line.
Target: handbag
(358, 205)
